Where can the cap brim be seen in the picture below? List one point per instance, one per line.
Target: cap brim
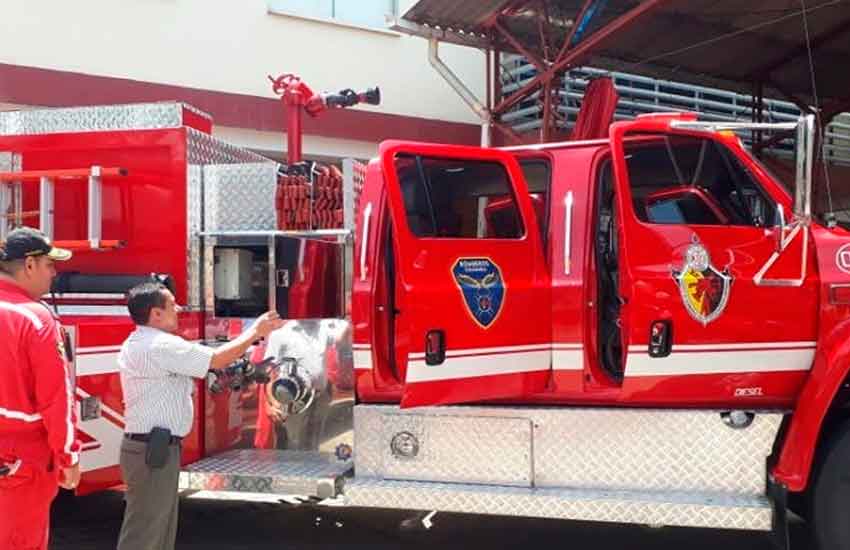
(59, 254)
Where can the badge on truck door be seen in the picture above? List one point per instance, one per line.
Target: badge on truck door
(704, 289)
(482, 286)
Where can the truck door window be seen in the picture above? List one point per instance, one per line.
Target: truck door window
(693, 181)
(447, 198)
(538, 177)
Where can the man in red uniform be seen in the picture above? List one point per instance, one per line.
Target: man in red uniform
(38, 447)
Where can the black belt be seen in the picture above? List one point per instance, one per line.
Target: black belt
(144, 438)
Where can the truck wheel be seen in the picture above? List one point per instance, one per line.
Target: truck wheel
(831, 497)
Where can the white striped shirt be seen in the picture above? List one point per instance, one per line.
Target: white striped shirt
(157, 372)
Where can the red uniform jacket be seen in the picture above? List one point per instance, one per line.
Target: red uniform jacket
(36, 390)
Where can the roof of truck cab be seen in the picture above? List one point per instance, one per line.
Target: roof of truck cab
(555, 145)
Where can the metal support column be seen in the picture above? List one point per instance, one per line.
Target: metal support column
(463, 91)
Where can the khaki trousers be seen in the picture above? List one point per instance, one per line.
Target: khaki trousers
(150, 518)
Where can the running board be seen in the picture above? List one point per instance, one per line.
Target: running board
(305, 473)
(649, 508)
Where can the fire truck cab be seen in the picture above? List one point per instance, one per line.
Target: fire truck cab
(639, 328)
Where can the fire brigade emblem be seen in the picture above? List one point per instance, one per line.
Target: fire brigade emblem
(483, 289)
(704, 289)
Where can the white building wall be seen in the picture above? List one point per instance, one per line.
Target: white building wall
(273, 144)
(230, 46)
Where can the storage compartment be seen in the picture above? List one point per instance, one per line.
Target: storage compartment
(300, 278)
(233, 273)
(240, 281)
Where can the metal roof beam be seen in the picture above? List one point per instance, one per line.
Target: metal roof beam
(569, 38)
(530, 56)
(591, 43)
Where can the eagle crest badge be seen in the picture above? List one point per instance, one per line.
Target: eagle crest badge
(482, 286)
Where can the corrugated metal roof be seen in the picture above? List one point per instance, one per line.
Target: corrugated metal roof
(729, 43)
(466, 15)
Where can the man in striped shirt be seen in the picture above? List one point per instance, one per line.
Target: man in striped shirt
(158, 375)
(38, 448)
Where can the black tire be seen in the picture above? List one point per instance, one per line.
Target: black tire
(831, 497)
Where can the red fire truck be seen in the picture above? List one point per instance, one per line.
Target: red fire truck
(648, 328)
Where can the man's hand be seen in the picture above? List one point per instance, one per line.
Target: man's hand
(226, 354)
(276, 413)
(266, 323)
(69, 478)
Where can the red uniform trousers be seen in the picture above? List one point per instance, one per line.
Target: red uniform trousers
(26, 495)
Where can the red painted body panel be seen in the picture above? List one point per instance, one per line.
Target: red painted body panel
(830, 370)
(370, 314)
(145, 209)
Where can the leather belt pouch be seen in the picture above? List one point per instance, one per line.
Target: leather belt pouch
(157, 452)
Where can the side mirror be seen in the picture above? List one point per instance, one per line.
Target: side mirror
(805, 161)
(780, 228)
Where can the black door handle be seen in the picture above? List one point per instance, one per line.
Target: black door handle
(435, 347)
(660, 338)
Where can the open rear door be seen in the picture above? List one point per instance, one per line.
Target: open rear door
(473, 312)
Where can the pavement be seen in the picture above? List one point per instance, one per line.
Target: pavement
(215, 522)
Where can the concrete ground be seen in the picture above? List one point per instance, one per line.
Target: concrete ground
(93, 522)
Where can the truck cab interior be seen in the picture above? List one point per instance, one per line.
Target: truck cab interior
(468, 199)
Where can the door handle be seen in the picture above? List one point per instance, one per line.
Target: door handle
(660, 338)
(364, 243)
(435, 347)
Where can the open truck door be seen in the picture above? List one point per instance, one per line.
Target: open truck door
(715, 289)
(473, 313)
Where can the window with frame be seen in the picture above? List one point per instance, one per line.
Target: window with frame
(367, 13)
(694, 181)
(461, 199)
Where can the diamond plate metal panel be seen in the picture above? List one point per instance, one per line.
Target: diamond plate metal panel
(613, 449)
(240, 197)
(673, 509)
(194, 206)
(652, 450)
(202, 148)
(267, 471)
(139, 116)
(460, 449)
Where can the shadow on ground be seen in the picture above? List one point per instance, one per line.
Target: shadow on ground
(93, 522)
